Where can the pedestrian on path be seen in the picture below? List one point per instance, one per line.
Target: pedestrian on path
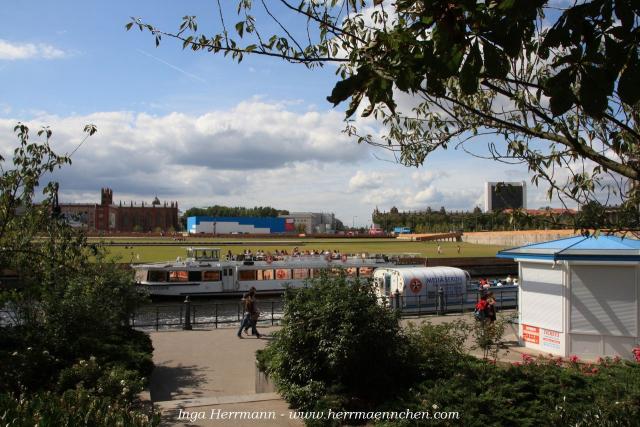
(251, 314)
(491, 307)
(245, 324)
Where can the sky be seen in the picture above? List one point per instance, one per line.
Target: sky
(199, 129)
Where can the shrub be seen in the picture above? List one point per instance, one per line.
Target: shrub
(72, 408)
(337, 344)
(536, 392)
(438, 350)
(116, 382)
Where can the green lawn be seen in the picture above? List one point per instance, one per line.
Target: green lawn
(352, 246)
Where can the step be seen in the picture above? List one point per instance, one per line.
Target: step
(216, 400)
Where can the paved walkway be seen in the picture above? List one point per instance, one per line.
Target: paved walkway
(207, 378)
(210, 374)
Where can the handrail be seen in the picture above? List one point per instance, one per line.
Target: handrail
(229, 314)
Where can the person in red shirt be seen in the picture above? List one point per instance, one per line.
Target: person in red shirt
(482, 305)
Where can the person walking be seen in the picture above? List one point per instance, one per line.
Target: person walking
(491, 308)
(248, 305)
(254, 314)
(251, 314)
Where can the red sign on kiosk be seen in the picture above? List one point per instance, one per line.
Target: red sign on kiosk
(531, 334)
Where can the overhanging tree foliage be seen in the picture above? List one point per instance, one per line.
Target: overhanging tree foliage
(518, 81)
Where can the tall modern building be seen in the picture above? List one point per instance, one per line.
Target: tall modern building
(505, 195)
(313, 222)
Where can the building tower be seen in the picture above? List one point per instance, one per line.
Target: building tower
(106, 196)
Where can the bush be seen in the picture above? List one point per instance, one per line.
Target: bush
(439, 350)
(426, 368)
(72, 408)
(116, 382)
(337, 347)
(537, 392)
(71, 308)
(34, 361)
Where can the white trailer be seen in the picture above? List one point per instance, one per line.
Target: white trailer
(419, 285)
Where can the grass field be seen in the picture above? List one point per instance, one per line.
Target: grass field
(351, 246)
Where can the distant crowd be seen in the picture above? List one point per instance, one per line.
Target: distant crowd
(279, 255)
(484, 284)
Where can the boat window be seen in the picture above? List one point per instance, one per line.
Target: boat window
(211, 276)
(265, 274)
(300, 273)
(366, 271)
(351, 271)
(247, 274)
(195, 276)
(157, 276)
(316, 272)
(141, 276)
(178, 276)
(283, 274)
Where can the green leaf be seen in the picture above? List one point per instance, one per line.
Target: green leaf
(558, 88)
(347, 87)
(495, 64)
(624, 13)
(470, 71)
(594, 91)
(629, 83)
(240, 28)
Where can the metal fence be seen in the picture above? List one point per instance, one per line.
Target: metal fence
(439, 303)
(226, 314)
(189, 314)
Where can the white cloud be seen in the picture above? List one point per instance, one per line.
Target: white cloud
(256, 153)
(12, 51)
(366, 181)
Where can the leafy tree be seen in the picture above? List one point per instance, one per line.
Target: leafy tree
(227, 211)
(70, 303)
(338, 348)
(516, 81)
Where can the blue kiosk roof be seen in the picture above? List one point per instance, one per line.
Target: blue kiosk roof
(591, 248)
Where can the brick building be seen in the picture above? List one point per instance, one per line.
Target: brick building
(108, 216)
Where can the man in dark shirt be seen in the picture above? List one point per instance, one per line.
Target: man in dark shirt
(251, 314)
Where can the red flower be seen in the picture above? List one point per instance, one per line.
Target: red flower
(527, 359)
(574, 359)
(594, 370)
(636, 354)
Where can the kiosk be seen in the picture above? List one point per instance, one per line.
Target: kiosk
(579, 296)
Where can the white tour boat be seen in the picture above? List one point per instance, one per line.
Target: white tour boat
(204, 273)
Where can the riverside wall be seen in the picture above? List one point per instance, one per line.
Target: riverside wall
(515, 238)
